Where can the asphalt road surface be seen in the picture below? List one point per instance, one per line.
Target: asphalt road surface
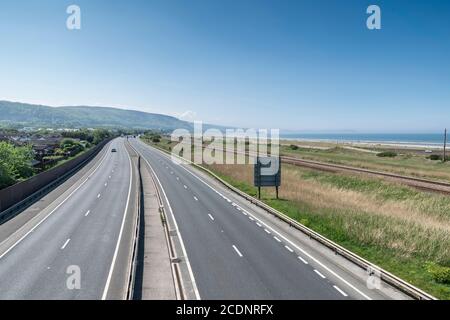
(80, 239)
(236, 255)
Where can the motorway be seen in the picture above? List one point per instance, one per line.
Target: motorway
(86, 232)
(235, 252)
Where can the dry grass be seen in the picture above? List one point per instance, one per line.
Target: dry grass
(419, 225)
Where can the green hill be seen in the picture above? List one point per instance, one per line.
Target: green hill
(27, 115)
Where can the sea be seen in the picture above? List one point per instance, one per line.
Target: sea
(406, 139)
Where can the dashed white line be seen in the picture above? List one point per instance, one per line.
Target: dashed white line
(211, 217)
(289, 249)
(251, 218)
(320, 275)
(65, 244)
(106, 184)
(267, 231)
(277, 239)
(109, 177)
(195, 198)
(98, 196)
(87, 213)
(259, 224)
(340, 291)
(237, 251)
(178, 178)
(239, 209)
(303, 260)
(185, 186)
(244, 213)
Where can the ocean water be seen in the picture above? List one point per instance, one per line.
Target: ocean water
(428, 139)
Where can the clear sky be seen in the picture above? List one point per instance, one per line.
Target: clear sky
(304, 65)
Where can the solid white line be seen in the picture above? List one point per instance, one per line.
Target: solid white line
(238, 252)
(195, 198)
(267, 231)
(285, 238)
(87, 213)
(212, 218)
(116, 251)
(277, 239)
(303, 260)
(289, 249)
(56, 208)
(65, 244)
(191, 273)
(340, 291)
(321, 275)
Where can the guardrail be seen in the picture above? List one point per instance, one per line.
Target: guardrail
(17, 197)
(386, 276)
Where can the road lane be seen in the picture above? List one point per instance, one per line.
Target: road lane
(36, 267)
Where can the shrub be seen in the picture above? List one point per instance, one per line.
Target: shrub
(156, 140)
(435, 157)
(389, 154)
(293, 147)
(439, 273)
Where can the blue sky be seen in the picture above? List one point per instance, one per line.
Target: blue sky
(303, 65)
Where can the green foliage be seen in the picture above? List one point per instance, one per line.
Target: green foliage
(15, 163)
(439, 273)
(388, 154)
(293, 147)
(100, 135)
(82, 134)
(70, 146)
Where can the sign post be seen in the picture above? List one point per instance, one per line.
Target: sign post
(267, 173)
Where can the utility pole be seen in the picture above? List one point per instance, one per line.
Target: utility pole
(445, 145)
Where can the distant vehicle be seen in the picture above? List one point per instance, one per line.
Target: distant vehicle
(428, 151)
(113, 150)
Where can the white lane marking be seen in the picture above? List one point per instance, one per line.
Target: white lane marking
(303, 260)
(185, 186)
(238, 208)
(228, 200)
(289, 249)
(285, 238)
(320, 275)
(277, 239)
(87, 213)
(251, 218)
(56, 208)
(237, 250)
(234, 204)
(106, 184)
(259, 224)
(267, 231)
(191, 273)
(195, 198)
(65, 244)
(171, 172)
(178, 178)
(109, 177)
(340, 291)
(211, 217)
(98, 196)
(116, 251)
(244, 213)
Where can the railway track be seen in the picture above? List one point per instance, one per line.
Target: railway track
(419, 183)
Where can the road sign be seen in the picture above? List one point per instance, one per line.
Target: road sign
(267, 173)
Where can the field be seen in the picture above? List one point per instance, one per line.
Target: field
(403, 230)
(407, 162)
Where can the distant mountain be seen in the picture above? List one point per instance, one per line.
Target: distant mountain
(28, 115)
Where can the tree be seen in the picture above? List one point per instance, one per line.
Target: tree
(15, 163)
